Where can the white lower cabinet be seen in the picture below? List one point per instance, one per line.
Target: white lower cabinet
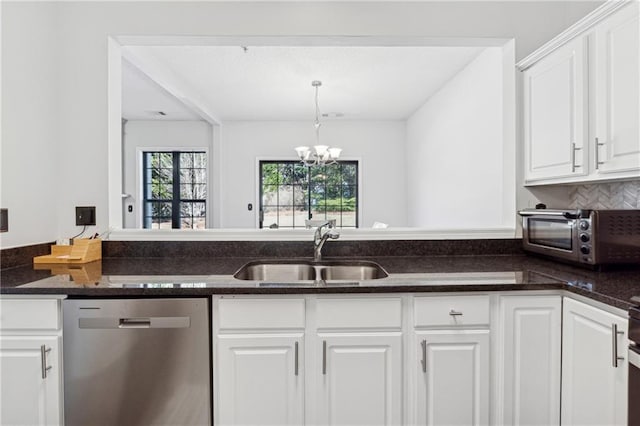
(453, 377)
(529, 360)
(594, 366)
(359, 379)
(30, 362)
(465, 359)
(260, 379)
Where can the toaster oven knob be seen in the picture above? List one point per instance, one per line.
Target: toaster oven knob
(585, 250)
(584, 238)
(584, 225)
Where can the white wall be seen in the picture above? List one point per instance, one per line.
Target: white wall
(54, 65)
(382, 196)
(455, 151)
(157, 134)
(30, 150)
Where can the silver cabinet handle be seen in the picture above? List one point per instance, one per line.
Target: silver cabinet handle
(598, 162)
(614, 345)
(574, 148)
(424, 356)
(455, 313)
(43, 360)
(324, 357)
(295, 368)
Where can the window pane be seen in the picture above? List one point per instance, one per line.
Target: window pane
(200, 160)
(350, 174)
(270, 174)
(186, 160)
(300, 174)
(286, 173)
(270, 216)
(193, 192)
(193, 176)
(285, 195)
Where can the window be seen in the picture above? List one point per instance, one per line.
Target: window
(175, 190)
(290, 193)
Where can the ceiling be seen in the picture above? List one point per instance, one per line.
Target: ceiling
(274, 82)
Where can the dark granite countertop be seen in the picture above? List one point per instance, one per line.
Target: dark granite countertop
(118, 277)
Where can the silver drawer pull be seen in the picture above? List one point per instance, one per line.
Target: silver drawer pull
(43, 360)
(455, 313)
(324, 357)
(614, 343)
(424, 356)
(295, 369)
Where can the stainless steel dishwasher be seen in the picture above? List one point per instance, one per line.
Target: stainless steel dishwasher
(137, 362)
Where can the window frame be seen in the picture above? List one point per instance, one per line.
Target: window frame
(176, 199)
(259, 190)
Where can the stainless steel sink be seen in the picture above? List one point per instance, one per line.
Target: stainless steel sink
(299, 270)
(260, 271)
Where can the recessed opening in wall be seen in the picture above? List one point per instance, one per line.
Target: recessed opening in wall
(431, 123)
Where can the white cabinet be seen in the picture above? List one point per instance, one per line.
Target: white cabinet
(453, 377)
(260, 379)
(581, 102)
(450, 360)
(555, 124)
(529, 329)
(30, 362)
(360, 379)
(594, 366)
(262, 374)
(616, 57)
(258, 361)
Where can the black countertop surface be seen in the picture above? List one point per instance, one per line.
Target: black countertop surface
(197, 276)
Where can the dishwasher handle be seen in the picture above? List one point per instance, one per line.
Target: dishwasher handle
(134, 322)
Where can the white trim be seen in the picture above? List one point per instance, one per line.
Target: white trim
(346, 234)
(573, 31)
(220, 234)
(114, 133)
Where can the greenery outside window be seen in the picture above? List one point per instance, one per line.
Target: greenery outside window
(174, 189)
(291, 193)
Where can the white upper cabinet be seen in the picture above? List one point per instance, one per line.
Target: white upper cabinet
(581, 101)
(616, 57)
(555, 113)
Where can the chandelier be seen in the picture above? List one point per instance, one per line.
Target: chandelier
(319, 155)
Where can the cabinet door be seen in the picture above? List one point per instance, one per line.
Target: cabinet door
(594, 384)
(555, 114)
(529, 360)
(28, 398)
(359, 379)
(617, 91)
(260, 380)
(452, 367)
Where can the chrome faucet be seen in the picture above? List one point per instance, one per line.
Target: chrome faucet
(319, 238)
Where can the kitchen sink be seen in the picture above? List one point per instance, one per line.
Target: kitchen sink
(299, 270)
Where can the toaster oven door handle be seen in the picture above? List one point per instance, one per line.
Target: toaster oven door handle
(566, 215)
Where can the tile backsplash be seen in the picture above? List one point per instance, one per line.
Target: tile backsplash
(618, 195)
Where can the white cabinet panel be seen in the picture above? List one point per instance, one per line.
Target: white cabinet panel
(617, 91)
(530, 360)
(359, 378)
(594, 385)
(453, 377)
(555, 113)
(28, 398)
(260, 380)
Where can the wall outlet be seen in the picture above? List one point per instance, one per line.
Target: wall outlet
(4, 220)
(85, 216)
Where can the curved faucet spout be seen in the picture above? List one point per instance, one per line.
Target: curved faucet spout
(319, 238)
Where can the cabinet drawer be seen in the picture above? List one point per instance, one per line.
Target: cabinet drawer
(31, 314)
(261, 313)
(359, 313)
(451, 311)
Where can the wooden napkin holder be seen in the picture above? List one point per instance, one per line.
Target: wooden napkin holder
(83, 250)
